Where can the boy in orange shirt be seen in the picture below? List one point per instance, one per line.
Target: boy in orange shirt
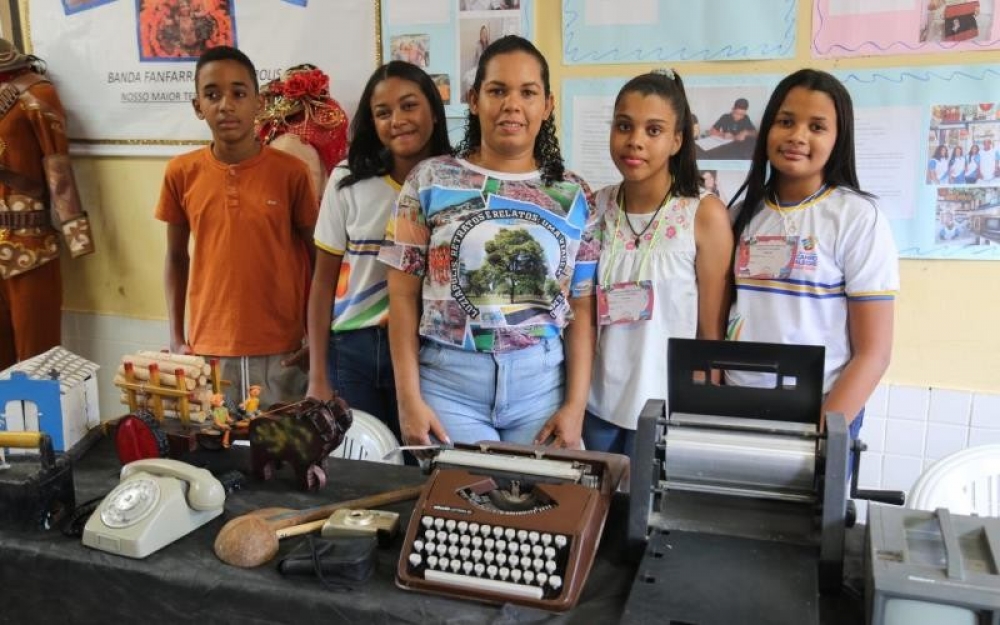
(251, 211)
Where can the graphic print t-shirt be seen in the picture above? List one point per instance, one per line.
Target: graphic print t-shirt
(500, 254)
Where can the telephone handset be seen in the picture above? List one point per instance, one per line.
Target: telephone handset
(158, 501)
(204, 491)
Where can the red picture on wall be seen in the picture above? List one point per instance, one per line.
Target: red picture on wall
(183, 29)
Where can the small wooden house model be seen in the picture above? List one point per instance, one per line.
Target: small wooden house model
(54, 392)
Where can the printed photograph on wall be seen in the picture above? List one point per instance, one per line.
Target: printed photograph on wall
(183, 29)
(443, 84)
(950, 21)
(457, 32)
(968, 216)
(878, 27)
(726, 120)
(963, 144)
(474, 35)
(488, 5)
(722, 183)
(75, 6)
(415, 48)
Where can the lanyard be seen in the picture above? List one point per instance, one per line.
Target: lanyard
(788, 225)
(614, 248)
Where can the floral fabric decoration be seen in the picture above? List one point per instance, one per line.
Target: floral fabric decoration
(300, 103)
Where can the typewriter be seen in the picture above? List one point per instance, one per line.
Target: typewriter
(507, 523)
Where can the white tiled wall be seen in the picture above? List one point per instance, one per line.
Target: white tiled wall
(906, 428)
(104, 339)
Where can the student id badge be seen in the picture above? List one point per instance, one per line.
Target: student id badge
(625, 302)
(766, 257)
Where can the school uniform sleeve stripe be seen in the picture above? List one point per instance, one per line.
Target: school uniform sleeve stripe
(780, 291)
(363, 248)
(790, 286)
(328, 249)
(872, 296)
(821, 285)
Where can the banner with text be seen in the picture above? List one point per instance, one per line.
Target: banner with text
(125, 68)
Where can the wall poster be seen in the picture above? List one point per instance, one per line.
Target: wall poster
(125, 68)
(927, 144)
(844, 28)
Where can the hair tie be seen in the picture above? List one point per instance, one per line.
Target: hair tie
(665, 71)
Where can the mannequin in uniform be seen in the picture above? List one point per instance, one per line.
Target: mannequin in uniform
(39, 204)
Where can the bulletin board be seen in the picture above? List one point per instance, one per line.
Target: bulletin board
(650, 31)
(927, 144)
(845, 28)
(446, 37)
(125, 68)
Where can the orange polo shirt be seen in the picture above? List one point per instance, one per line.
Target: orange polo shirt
(247, 286)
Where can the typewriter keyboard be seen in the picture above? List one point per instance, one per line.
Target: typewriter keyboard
(489, 558)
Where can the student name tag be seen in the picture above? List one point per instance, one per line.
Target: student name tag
(625, 302)
(766, 257)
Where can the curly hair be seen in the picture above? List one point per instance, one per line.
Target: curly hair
(547, 154)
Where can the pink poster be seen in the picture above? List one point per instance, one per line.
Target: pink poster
(871, 27)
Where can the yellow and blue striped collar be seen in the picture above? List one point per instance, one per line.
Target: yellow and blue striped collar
(820, 195)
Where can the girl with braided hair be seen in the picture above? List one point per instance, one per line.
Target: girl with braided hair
(492, 258)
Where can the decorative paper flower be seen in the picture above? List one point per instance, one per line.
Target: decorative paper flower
(319, 83)
(300, 103)
(312, 83)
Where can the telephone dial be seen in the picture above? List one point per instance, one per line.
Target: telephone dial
(158, 501)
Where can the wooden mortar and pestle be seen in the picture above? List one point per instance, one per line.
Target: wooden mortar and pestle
(252, 539)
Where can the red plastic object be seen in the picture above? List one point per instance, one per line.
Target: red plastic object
(139, 436)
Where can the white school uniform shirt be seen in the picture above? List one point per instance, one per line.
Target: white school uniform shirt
(971, 167)
(941, 169)
(956, 169)
(352, 224)
(845, 252)
(630, 364)
(987, 163)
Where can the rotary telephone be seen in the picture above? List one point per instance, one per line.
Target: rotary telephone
(158, 501)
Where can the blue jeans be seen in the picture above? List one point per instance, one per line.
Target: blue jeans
(601, 435)
(854, 429)
(504, 396)
(360, 370)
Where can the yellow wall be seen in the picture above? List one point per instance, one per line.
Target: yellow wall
(945, 333)
(125, 276)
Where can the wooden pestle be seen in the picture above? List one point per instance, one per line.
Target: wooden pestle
(252, 539)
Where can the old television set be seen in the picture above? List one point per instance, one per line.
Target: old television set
(931, 568)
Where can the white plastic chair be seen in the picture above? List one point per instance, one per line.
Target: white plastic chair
(966, 482)
(368, 439)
